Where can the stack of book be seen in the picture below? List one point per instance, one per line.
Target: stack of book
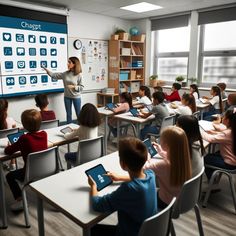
(137, 64)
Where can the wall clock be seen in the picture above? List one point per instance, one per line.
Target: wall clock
(77, 44)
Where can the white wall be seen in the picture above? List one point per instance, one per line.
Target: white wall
(83, 25)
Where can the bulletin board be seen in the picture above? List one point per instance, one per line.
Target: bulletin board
(93, 55)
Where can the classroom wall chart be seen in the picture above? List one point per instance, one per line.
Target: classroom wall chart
(26, 46)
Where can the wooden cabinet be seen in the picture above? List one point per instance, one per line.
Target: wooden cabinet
(126, 65)
(104, 98)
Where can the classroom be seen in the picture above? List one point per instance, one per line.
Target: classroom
(84, 83)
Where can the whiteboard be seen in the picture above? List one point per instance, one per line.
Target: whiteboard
(93, 56)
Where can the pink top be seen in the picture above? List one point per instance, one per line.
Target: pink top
(10, 123)
(224, 138)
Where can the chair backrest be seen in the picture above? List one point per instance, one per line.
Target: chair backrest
(5, 132)
(47, 124)
(167, 121)
(90, 149)
(197, 114)
(188, 196)
(158, 224)
(41, 164)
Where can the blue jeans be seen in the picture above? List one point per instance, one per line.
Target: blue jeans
(68, 104)
(215, 159)
(148, 129)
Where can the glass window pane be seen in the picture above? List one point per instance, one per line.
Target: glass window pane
(220, 36)
(174, 40)
(170, 68)
(219, 69)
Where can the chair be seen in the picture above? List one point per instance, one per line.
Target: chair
(5, 132)
(47, 124)
(39, 165)
(187, 200)
(159, 224)
(88, 150)
(216, 177)
(197, 114)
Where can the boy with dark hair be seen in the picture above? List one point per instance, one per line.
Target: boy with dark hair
(135, 200)
(174, 96)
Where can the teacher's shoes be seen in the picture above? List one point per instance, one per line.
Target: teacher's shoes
(17, 206)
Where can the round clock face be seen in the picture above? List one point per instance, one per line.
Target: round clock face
(77, 44)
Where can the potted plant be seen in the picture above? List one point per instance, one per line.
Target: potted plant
(192, 80)
(122, 34)
(180, 80)
(153, 80)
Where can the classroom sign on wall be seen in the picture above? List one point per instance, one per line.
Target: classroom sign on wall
(26, 46)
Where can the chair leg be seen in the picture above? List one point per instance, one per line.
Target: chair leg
(26, 210)
(199, 221)
(231, 181)
(134, 131)
(59, 160)
(68, 164)
(172, 229)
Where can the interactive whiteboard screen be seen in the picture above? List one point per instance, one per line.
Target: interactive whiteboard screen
(26, 46)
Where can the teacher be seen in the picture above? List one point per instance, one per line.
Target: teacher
(73, 87)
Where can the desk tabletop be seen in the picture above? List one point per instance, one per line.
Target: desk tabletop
(68, 191)
(104, 111)
(129, 117)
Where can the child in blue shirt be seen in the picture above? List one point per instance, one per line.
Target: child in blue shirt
(135, 199)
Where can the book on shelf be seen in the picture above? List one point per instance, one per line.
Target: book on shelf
(136, 50)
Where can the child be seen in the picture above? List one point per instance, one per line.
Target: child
(7, 122)
(33, 141)
(175, 166)
(174, 96)
(135, 200)
(42, 102)
(158, 89)
(89, 120)
(124, 106)
(231, 101)
(194, 91)
(145, 95)
(226, 158)
(188, 106)
(191, 128)
(222, 87)
(160, 111)
(216, 103)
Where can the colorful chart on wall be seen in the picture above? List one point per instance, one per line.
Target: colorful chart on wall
(26, 46)
(93, 55)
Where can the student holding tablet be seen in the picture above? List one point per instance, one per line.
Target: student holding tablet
(134, 200)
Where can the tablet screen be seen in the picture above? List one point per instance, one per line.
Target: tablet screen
(150, 147)
(14, 137)
(97, 173)
(110, 106)
(66, 130)
(134, 112)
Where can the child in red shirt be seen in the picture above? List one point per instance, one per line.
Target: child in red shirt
(174, 96)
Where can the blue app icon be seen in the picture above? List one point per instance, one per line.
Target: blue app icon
(53, 40)
(62, 41)
(32, 51)
(32, 64)
(53, 80)
(32, 38)
(53, 52)
(44, 78)
(10, 81)
(43, 51)
(54, 64)
(7, 51)
(20, 38)
(22, 80)
(9, 64)
(43, 39)
(6, 36)
(44, 64)
(33, 79)
(21, 64)
(20, 51)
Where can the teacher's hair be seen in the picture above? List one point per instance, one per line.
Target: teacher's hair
(3, 113)
(77, 69)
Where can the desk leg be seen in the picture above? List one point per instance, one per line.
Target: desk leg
(2, 199)
(40, 216)
(86, 232)
(105, 131)
(138, 128)
(118, 131)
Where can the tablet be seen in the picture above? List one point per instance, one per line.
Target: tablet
(66, 130)
(134, 112)
(110, 106)
(97, 173)
(14, 137)
(150, 147)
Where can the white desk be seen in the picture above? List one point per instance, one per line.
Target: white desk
(68, 191)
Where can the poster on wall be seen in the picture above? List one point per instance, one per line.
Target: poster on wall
(26, 46)
(93, 55)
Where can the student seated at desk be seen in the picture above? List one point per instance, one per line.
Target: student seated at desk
(33, 141)
(42, 102)
(89, 120)
(144, 95)
(135, 200)
(160, 111)
(226, 157)
(215, 101)
(194, 91)
(174, 96)
(7, 122)
(222, 87)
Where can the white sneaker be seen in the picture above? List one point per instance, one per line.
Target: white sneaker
(12, 167)
(17, 206)
(114, 140)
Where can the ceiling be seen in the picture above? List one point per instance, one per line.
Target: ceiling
(112, 7)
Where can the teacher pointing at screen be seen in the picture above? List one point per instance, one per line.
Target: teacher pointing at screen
(73, 87)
